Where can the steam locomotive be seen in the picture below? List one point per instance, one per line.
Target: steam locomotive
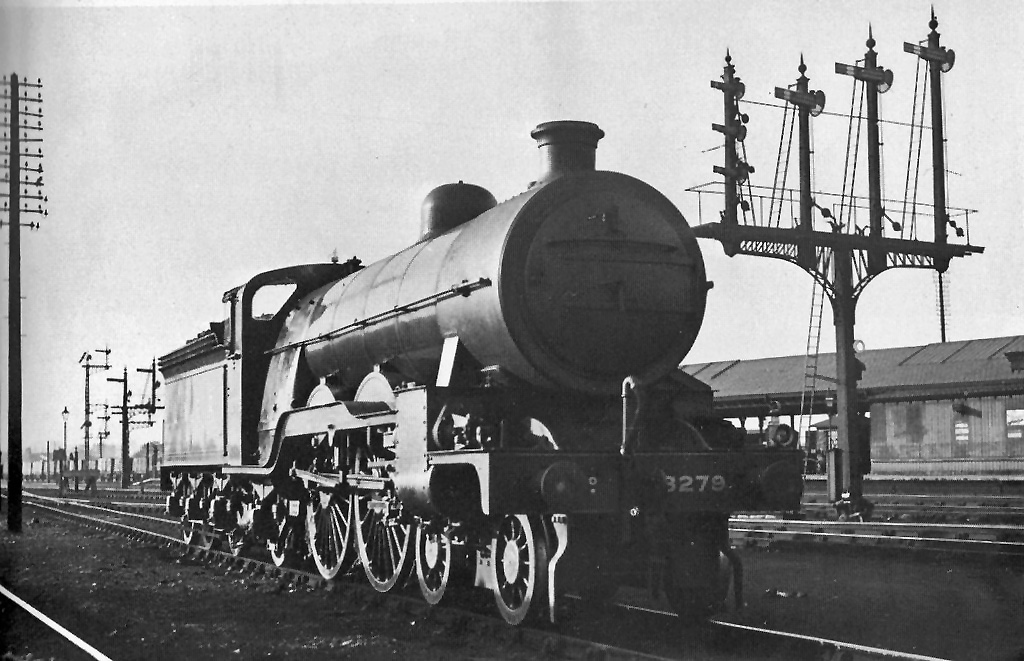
(497, 406)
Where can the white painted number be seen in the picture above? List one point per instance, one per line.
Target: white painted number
(694, 483)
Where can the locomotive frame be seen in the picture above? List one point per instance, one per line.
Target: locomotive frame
(443, 430)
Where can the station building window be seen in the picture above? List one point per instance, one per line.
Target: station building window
(1015, 432)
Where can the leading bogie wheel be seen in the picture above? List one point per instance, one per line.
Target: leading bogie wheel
(434, 560)
(519, 566)
(383, 545)
(329, 526)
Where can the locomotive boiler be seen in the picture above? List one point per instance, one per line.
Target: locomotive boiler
(498, 405)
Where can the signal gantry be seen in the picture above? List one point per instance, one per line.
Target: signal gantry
(846, 258)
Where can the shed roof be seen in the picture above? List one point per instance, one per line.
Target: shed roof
(944, 369)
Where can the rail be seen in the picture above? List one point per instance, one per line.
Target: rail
(840, 649)
(48, 621)
(996, 539)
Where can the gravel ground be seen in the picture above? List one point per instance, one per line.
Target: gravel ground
(134, 601)
(968, 606)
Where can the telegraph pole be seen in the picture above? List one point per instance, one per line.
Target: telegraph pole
(15, 135)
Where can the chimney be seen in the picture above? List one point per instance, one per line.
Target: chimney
(566, 147)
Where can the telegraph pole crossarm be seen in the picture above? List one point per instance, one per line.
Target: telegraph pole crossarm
(845, 259)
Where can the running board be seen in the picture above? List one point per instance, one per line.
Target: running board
(336, 416)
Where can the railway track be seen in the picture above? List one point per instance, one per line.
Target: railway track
(728, 639)
(754, 530)
(930, 508)
(990, 539)
(953, 501)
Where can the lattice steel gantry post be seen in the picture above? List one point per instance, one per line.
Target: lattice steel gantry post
(844, 262)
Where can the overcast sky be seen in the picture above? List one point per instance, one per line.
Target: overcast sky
(189, 148)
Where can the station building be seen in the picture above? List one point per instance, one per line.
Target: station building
(950, 409)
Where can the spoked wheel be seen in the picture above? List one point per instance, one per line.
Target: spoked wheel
(329, 525)
(383, 546)
(195, 533)
(237, 542)
(434, 560)
(239, 537)
(519, 562)
(285, 544)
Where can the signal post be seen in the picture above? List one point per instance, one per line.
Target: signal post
(125, 411)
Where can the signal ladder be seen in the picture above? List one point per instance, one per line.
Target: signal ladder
(811, 359)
